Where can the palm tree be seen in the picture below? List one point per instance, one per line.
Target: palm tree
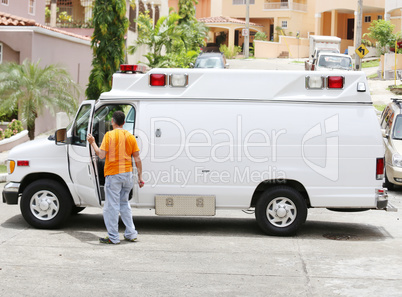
(157, 39)
(31, 89)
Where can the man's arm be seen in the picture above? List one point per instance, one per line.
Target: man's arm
(138, 164)
(100, 153)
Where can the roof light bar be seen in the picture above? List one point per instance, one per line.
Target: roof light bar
(133, 68)
(157, 80)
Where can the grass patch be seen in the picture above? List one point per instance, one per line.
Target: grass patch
(298, 62)
(372, 76)
(3, 169)
(369, 64)
(380, 107)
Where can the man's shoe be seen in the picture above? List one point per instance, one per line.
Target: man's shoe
(130, 240)
(106, 240)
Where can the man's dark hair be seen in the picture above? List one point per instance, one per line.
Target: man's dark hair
(119, 117)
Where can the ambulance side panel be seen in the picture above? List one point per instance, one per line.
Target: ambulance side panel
(228, 148)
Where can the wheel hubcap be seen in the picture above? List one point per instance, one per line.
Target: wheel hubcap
(44, 205)
(281, 212)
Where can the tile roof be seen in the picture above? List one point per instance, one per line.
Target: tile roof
(222, 19)
(12, 20)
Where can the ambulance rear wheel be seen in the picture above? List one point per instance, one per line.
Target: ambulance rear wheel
(45, 204)
(281, 211)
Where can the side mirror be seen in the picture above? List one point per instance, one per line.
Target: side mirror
(60, 136)
(227, 65)
(192, 65)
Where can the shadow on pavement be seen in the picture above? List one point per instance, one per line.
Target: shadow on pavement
(84, 224)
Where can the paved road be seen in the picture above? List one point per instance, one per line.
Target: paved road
(334, 254)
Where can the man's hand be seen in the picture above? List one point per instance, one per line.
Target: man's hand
(90, 138)
(141, 183)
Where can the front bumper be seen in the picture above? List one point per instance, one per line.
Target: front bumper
(394, 174)
(11, 193)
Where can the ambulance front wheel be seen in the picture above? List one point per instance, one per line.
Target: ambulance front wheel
(45, 204)
(281, 211)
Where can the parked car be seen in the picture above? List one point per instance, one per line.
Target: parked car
(211, 60)
(391, 125)
(332, 61)
(309, 63)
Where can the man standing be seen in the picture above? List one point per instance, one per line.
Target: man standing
(118, 146)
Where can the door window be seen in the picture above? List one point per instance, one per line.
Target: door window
(80, 128)
(103, 120)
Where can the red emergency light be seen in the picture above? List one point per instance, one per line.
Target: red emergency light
(157, 80)
(335, 82)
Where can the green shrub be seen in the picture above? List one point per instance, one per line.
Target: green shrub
(230, 52)
(13, 128)
(260, 36)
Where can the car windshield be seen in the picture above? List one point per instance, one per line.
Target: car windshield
(210, 62)
(335, 62)
(397, 133)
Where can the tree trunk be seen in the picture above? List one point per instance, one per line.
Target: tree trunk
(31, 132)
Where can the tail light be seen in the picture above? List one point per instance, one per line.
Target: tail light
(380, 168)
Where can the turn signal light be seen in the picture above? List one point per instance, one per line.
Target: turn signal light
(10, 166)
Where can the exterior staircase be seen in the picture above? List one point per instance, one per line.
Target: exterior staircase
(284, 55)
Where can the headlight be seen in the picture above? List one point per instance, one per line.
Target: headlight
(10, 166)
(397, 160)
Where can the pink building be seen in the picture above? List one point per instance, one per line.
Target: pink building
(24, 36)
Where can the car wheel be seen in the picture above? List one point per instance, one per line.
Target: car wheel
(281, 211)
(45, 204)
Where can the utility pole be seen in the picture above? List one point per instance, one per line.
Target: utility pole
(358, 35)
(247, 37)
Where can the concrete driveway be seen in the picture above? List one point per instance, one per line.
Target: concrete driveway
(334, 254)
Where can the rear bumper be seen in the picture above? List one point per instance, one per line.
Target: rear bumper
(382, 200)
(11, 193)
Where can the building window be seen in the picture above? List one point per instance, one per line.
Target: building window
(31, 7)
(65, 6)
(284, 24)
(242, 2)
(4, 2)
(1, 53)
(379, 17)
(367, 19)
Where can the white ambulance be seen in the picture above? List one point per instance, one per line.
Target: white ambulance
(277, 142)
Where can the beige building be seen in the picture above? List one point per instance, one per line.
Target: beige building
(280, 18)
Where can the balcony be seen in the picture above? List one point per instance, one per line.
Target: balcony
(285, 6)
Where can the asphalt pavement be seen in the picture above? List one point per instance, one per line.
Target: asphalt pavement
(333, 254)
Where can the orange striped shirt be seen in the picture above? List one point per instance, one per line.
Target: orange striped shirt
(119, 145)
